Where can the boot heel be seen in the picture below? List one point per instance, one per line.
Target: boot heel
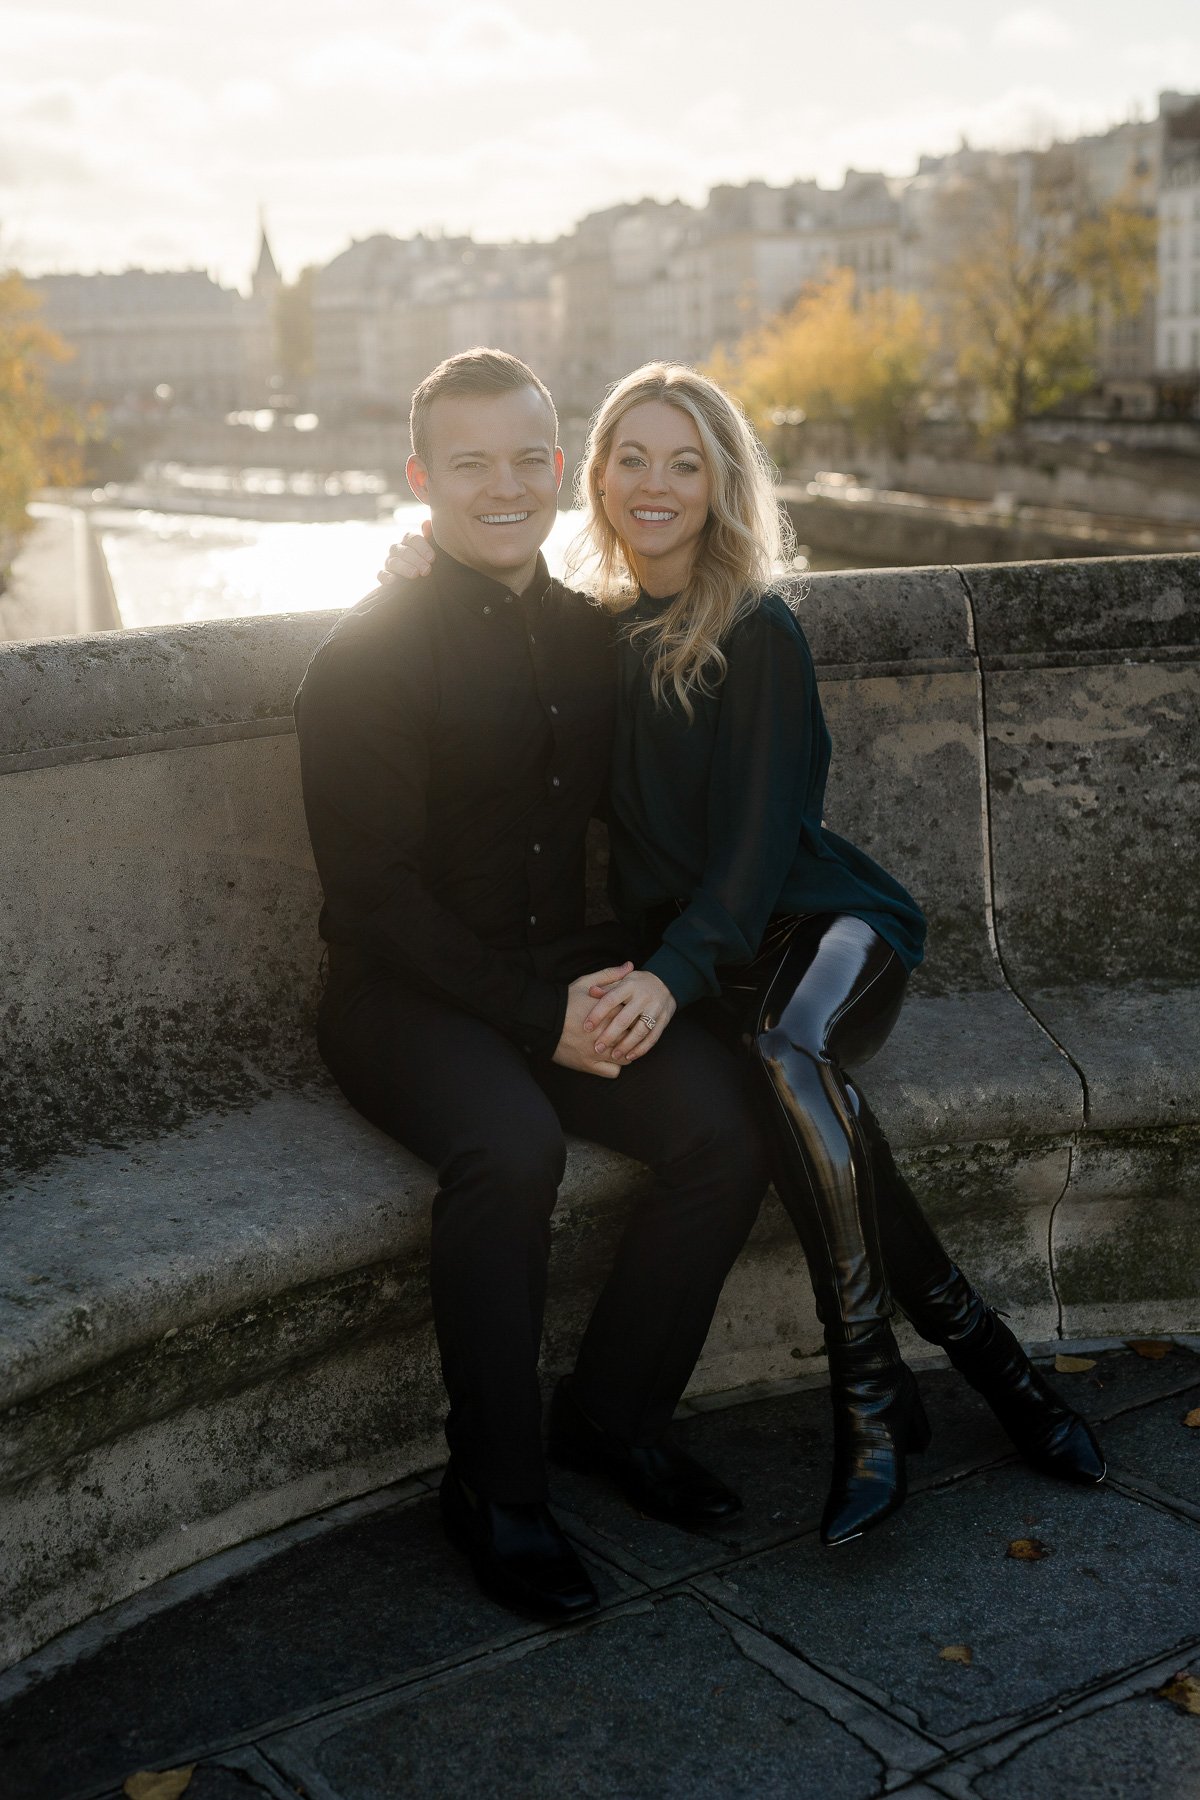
(919, 1431)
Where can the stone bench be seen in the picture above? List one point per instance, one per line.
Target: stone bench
(213, 1301)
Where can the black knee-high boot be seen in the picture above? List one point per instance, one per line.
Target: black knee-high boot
(944, 1307)
(822, 1169)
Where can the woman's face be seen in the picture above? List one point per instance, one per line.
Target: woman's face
(657, 489)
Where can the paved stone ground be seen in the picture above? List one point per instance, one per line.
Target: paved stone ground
(350, 1658)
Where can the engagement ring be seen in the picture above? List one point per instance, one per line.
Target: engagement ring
(649, 1021)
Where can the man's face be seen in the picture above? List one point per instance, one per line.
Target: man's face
(491, 480)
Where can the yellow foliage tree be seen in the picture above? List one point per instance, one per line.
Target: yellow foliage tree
(863, 359)
(1036, 262)
(37, 435)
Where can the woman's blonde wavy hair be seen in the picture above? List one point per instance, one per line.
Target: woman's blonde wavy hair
(744, 537)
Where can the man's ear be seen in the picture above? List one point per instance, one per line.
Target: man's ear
(418, 478)
(559, 466)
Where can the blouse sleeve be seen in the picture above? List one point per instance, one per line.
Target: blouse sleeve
(764, 751)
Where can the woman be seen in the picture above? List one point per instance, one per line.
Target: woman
(790, 939)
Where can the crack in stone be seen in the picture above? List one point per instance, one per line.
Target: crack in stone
(899, 1748)
(989, 852)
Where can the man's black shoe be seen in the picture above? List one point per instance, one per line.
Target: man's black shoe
(519, 1554)
(662, 1480)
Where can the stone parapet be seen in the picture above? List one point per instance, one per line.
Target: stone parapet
(213, 1305)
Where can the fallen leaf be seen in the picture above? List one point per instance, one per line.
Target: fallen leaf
(158, 1784)
(1193, 1418)
(1073, 1365)
(1153, 1349)
(1028, 1550)
(1183, 1691)
(959, 1653)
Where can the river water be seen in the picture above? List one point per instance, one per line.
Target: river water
(173, 568)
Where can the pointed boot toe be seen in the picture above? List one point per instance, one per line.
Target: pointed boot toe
(1071, 1451)
(879, 1419)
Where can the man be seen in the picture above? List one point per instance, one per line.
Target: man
(454, 737)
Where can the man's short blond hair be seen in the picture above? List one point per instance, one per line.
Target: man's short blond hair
(478, 372)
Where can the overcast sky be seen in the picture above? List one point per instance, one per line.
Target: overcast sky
(148, 132)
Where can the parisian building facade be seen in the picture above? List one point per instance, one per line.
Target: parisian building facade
(649, 279)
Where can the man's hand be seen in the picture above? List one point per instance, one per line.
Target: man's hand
(575, 1047)
(411, 557)
(633, 1012)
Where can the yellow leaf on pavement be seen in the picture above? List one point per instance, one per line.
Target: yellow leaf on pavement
(1153, 1349)
(158, 1784)
(1073, 1365)
(1193, 1418)
(1183, 1691)
(959, 1653)
(1028, 1550)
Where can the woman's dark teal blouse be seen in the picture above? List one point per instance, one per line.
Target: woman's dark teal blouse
(724, 812)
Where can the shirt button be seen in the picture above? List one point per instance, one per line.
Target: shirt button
(533, 918)
(554, 710)
(537, 849)
(487, 612)
(532, 639)
(554, 781)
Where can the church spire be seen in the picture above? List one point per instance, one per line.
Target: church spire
(266, 273)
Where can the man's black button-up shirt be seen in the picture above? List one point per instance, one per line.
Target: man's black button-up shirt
(454, 740)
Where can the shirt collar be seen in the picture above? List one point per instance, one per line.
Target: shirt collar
(480, 593)
(647, 605)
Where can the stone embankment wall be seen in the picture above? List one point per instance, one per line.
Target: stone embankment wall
(213, 1300)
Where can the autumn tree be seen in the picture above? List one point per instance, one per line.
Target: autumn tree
(38, 437)
(839, 355)
(1035, 264)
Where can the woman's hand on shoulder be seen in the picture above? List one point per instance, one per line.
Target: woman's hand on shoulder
(630, 1015)
(411, 558)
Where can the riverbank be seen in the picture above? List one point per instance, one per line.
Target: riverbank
(58, 584)
(883, 528)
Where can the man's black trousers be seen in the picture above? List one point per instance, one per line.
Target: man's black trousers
(490, 1120)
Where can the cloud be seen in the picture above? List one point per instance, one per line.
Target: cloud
(1032, 28)
(480, 46)
(926, 34)
(25, 29)
(1172, 62)
(245, 98)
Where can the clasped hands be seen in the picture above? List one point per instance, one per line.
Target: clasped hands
(607, 1025)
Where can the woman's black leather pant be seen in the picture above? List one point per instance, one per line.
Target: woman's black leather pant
(821, 996)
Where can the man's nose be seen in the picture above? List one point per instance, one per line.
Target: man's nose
(507, 479)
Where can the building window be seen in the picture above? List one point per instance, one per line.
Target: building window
(1196, 349)
(1169, 350)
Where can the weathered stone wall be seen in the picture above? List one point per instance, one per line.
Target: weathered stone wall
(213, 1302)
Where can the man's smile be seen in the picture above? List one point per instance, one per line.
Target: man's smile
(517, 518)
